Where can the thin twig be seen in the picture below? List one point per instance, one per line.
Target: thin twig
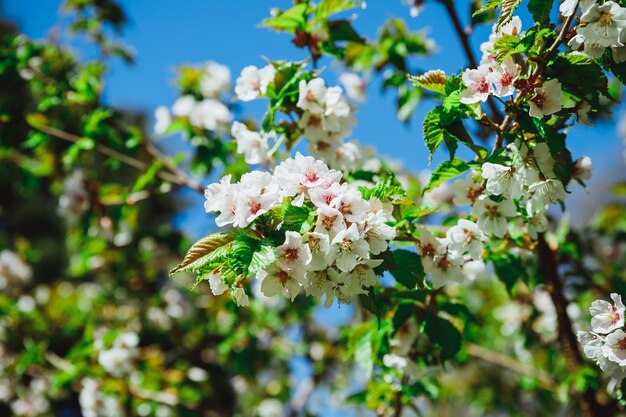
(178, 179)
(467, 48)
(514, 365)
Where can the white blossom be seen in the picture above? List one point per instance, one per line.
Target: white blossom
(253, 82)
(544, 193)
(466, 191)
(546, 99)
(215, 80)
(607, 317)
(492, 216)
(466, 237)
(253, 145)
(477, 85)
(347, 247)
(354, 85)
(502, 180)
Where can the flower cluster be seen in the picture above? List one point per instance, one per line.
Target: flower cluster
(602, 26)
(492, 77)
(202, 108)
(325, 118)
(606, 342)
(451, 258)
(14, 273)
(498, 78)
(118, 359)
(331, 255)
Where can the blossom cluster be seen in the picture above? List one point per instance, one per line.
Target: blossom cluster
(500, 191)
(205, 109)
(325, 118)
(606, 342)
(602, 27)
(498, 78)
(452, 258)
(332, 254)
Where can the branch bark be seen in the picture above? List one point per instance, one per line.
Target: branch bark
(548, 268)
(467, 48)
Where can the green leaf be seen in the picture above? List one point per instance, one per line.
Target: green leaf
(262, 258)
(200, 250)
(436, 129)
(388, 188)
(507, 8)
(147, 177)
(295, 217)
(446, 171)
(37, 120)
(434, 80)
(509, 268)
(443, 334)
(363, 353)
(573, 67)
(507, 45)
(328, 8)
(488, 5)
(407, 269)
(289, 20)
(342, 30)
(540, 9)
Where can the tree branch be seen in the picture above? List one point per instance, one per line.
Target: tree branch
(548, 269)
(177, 176)
(467, 48)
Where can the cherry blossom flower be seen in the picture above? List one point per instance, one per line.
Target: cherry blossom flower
(443, 269)
(537, 224)
(428, 246)
(504, 77)
(217, 285)
(257, 193)
(546, 99)
(603, 23)
(163, 120)
(277, 280)
(614, 347)
(466, 191)
(607, 317)
(477, 85)
(466, 237)
(347, 247)
(544, 193)
(215, 80)
(183, 106)
(240, 297)
(253, 82)
(582, 168)
(312, 95)
(210, 114)
(354, 85)
(319, 245)
(502, 180)
(253, 145)
(492, 216)
(293, 255)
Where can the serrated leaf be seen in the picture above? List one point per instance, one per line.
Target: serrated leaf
(489, 4)
(203, 248)
(507, 8)
(446, 171)
(443, 334)
(540, 9)
(407, 269)
(434, 80)
(289, 20)
(436, 132)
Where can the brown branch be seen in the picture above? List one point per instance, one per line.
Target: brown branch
(548, 269)
(467, 48)
(178, 178)
(496, 358)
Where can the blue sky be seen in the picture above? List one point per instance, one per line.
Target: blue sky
(168, 33)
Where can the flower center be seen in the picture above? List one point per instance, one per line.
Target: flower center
(291, 253)
(605, 19)
(615, 316)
